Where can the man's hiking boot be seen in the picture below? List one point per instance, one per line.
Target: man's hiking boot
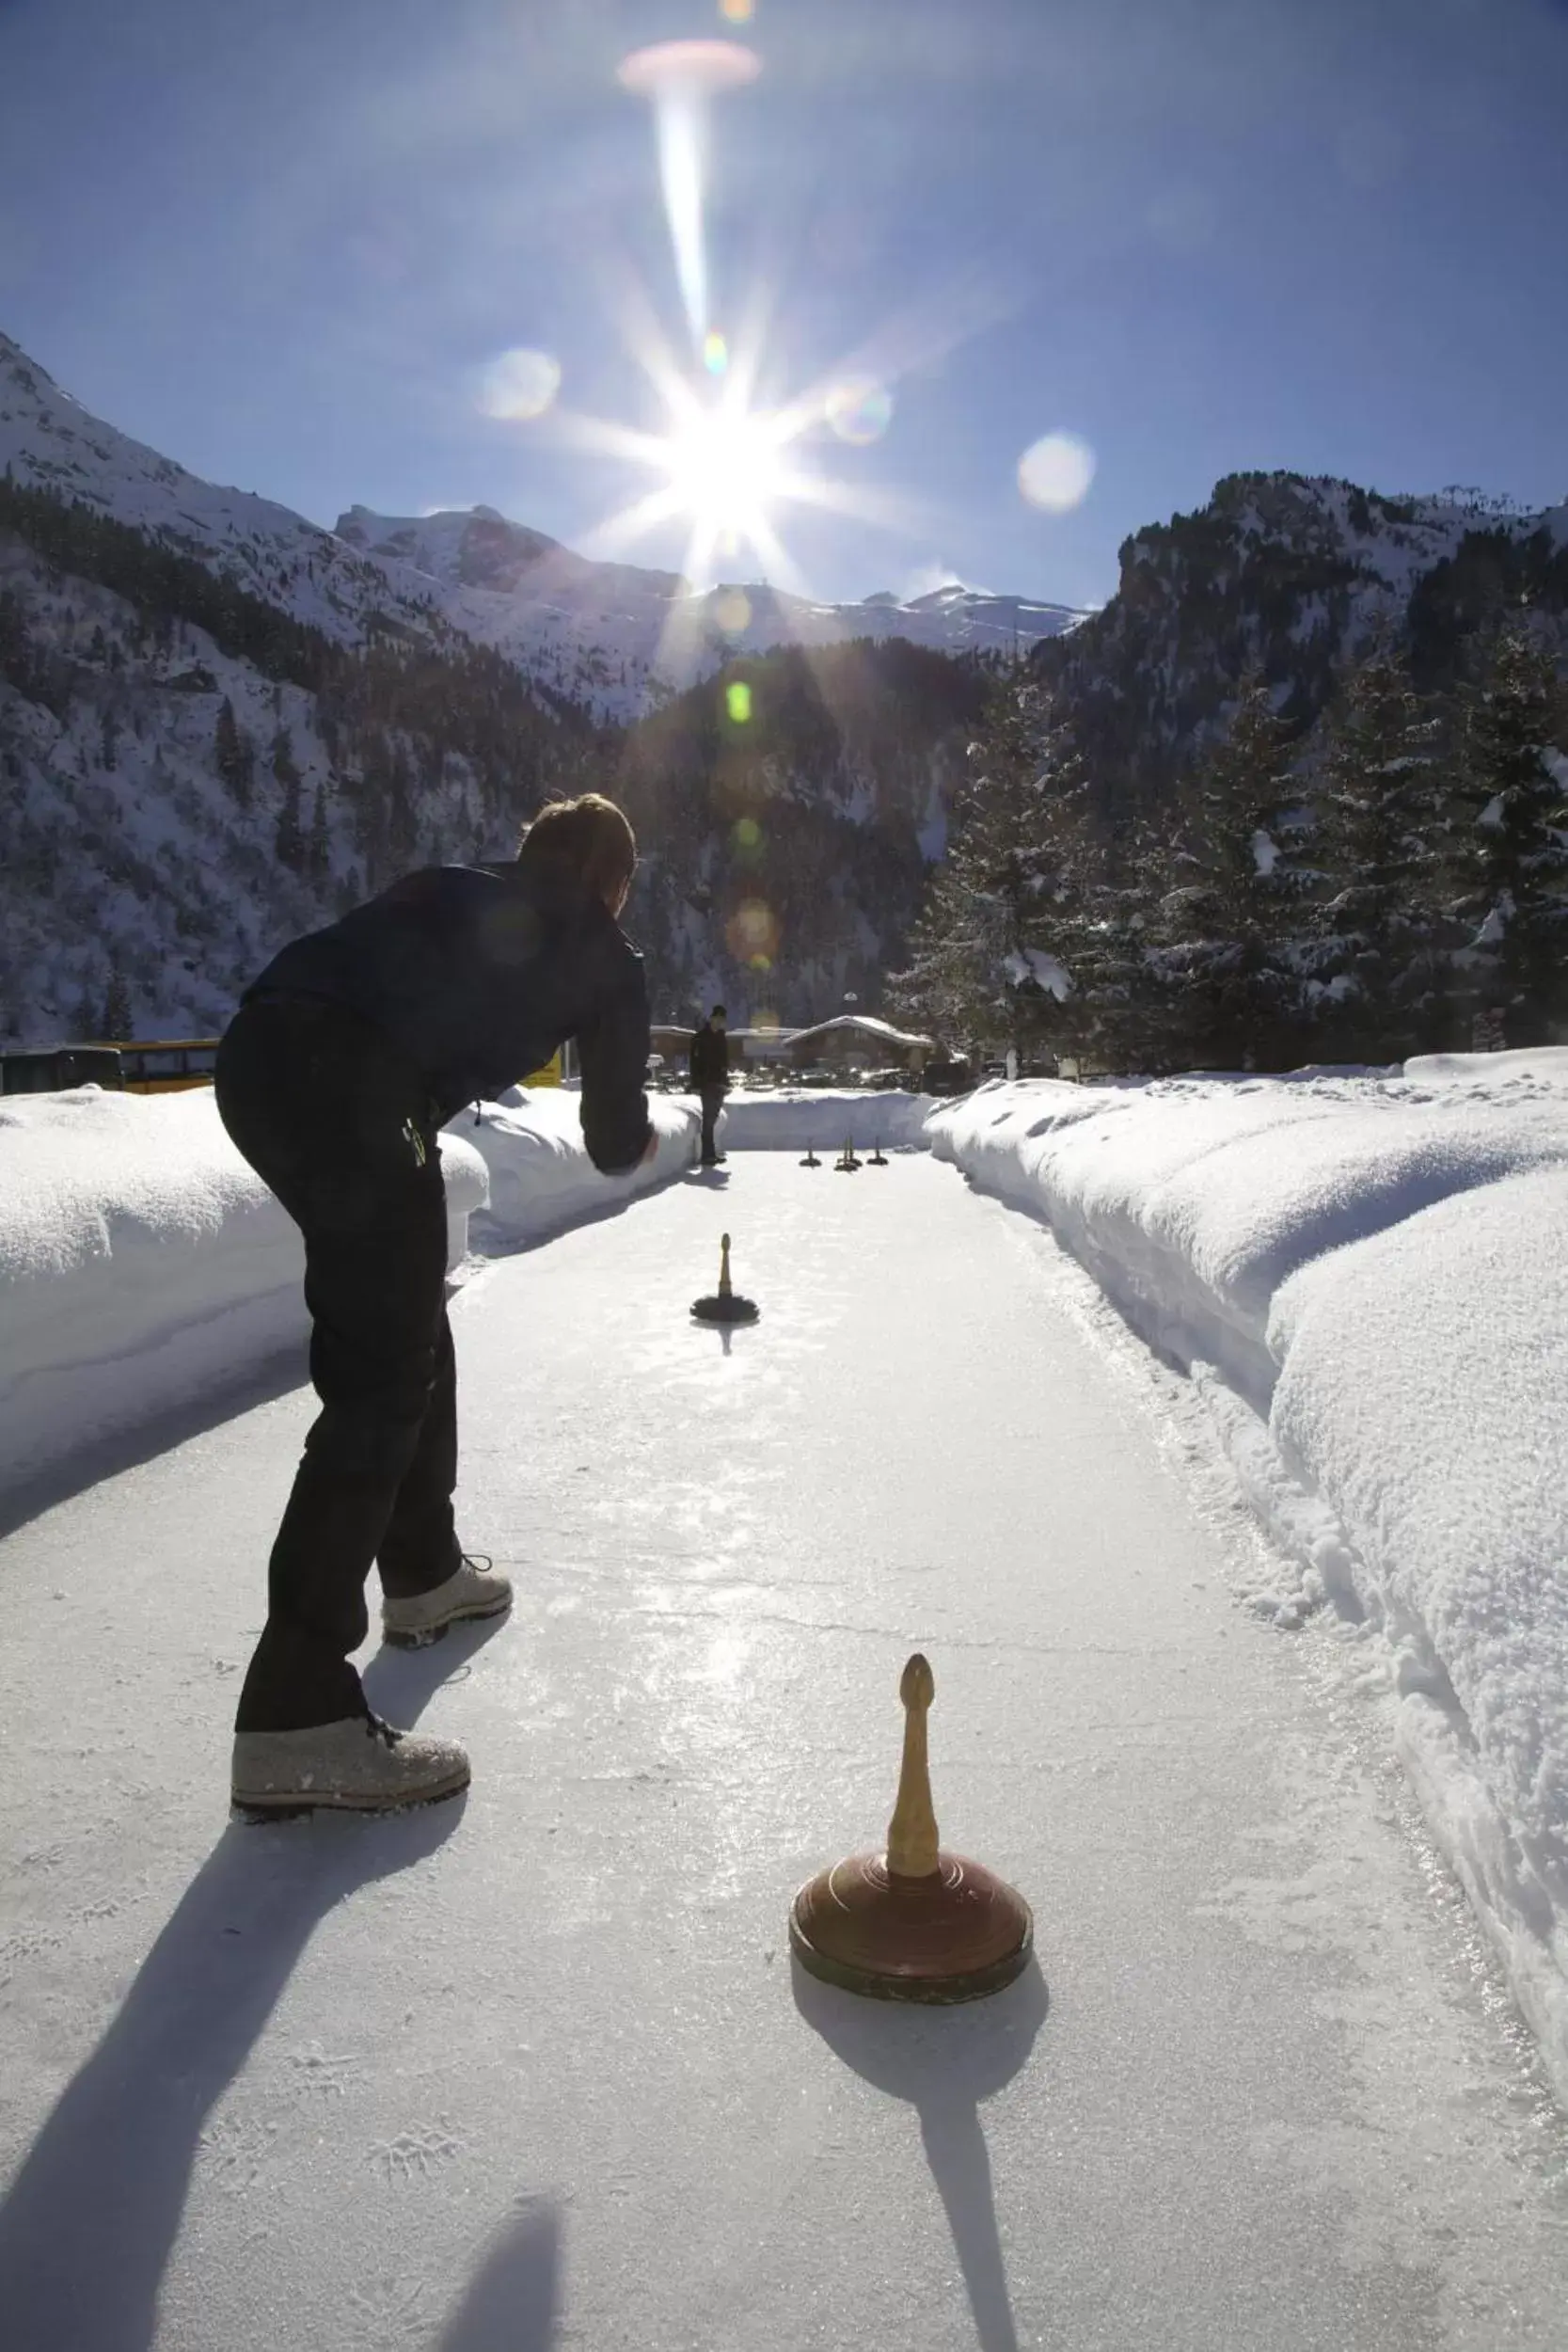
(473, 1590)
(359, 1765)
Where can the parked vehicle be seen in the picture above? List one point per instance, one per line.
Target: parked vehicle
(51, 1069)
(169, 1065)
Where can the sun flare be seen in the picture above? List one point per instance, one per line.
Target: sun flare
(724, 469)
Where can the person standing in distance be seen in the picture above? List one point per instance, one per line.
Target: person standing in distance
(348, 1054)
(710, 1077)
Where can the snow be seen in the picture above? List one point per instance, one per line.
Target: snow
(540, 1178)
(534, 2070)
(611, 636)
(867, 1021)
(1494, 930)
(1265, 852)
(142, 1261)
(1046, 971)
(1365, 1276)
(788, 1118)
(600, 631)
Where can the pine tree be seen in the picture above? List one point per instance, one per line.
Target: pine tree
(116, 1020)
(284, 766)
(233, 756)
(319, 845)
(1507, 843)
(991, 951)
(289, 839)
(1121, 1011)
(1378, 801)
(1232, 911)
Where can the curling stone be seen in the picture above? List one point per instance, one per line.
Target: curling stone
(726, 1305)
(811, 1159)
(846, 1164)
(877, 1160)
(914, 1923)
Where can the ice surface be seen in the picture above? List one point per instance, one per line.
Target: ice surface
(534, 2071)
(788, 1118)
(1366, 1274)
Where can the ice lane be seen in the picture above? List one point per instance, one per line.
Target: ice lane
(536, 2071)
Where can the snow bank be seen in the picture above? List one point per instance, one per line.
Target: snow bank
(541, 1179)
(142, 1261)
(786, 1118)
(1368, 1278)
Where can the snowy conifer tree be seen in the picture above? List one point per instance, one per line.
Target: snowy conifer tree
(233, 756)
(1233, 911)
(115, 1021)
(988, 960)
(1507, 843)
(1377, 798)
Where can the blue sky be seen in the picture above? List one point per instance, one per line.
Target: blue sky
(281, 243)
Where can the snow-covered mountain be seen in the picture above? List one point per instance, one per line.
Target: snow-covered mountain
(219, 721)
(49, 441)
(610, 636)
(1291, 575)
(601, 632)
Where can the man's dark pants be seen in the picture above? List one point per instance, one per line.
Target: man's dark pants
(713, 1102)
(334, 1122)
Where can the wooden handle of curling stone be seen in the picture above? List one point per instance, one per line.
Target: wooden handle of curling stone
(724, 1267)
(912, 1833)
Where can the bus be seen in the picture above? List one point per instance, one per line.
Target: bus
(168, 1065)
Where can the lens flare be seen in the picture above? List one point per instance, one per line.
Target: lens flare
(752, 934)
(1054, 472)
(679, 77)
(736, 11)
(715, 355)
(747, 836)
(520, 384)
(737, 702)
(732, 610)
(859, 411)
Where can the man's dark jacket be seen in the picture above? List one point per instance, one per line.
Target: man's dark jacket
(479, 973)
(710, 1060)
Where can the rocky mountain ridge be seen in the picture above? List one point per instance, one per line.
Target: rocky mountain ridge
(219, 722)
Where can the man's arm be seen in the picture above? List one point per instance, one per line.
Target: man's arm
(613, 1047)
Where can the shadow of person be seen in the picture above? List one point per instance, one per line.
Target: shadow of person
(93, 2212)
(944, 2062)
(511, 2305)
(225, 1397)
(400, 1683)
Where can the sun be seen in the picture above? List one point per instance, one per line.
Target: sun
(724, 469)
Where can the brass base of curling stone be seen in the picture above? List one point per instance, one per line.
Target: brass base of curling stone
(958, 1934)
(811, 1159)
(725, 1305)
(915, 1923)
(726, 1309)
